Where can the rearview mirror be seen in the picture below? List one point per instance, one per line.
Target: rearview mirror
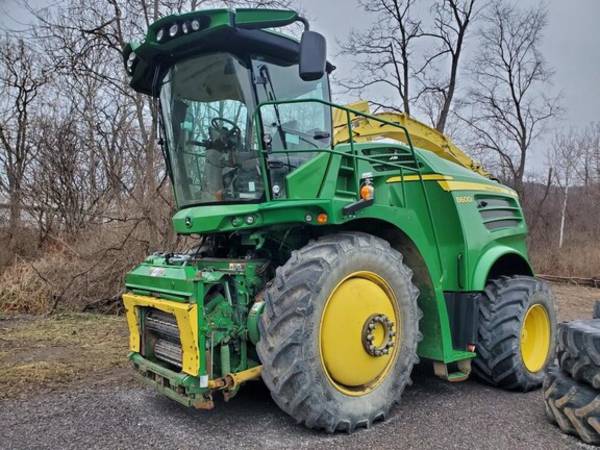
(313, 56)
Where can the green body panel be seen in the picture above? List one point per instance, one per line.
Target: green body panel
(492, 254)
(264, 18)
(457, 222)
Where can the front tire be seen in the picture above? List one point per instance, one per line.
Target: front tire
(339, 333)
(516, 336)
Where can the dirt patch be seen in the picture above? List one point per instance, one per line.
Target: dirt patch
(575, 302)
(42, 354)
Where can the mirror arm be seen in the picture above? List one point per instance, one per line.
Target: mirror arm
(304, 22)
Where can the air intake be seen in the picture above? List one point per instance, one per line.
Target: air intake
(498, 212)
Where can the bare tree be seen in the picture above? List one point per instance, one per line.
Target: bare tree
(452, 20)
(383, 53)
(21, 79)
(509, 105)
(564, 159)
(84, 41)
(589, 172)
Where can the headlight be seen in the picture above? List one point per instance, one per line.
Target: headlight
(160, 34)
(130, 62)
(173, 30)
(195, 25)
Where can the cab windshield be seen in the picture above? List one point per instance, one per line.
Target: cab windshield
(207, 106)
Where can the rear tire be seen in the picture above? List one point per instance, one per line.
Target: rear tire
(294, 333)
(504, 359)
(573, 406)
(578, 350)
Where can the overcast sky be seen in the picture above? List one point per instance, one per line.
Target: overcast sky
(571, 46)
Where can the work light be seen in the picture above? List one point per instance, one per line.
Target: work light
(130, 61)
(173, 30)
(160, 34)
(195, 25)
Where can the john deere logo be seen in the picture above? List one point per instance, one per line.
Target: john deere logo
(188, 221)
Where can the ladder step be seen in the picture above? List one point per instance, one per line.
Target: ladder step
(461, 373)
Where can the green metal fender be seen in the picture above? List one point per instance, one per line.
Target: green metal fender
(487, 261)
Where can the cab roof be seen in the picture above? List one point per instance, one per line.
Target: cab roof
(240, 32)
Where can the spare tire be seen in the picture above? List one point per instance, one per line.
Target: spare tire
(578, 350)
(573, 406)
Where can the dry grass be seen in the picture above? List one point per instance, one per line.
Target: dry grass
(580, 259)
(575, 302)
(40, 354)
(82, 275)
(23, 291)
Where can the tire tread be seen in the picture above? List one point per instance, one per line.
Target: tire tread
(573, 406)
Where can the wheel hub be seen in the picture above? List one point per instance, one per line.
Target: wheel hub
(373, 342)
(358, 335)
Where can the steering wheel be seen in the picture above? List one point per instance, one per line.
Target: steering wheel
(217, 122)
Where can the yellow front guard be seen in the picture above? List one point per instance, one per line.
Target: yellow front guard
(186, 315)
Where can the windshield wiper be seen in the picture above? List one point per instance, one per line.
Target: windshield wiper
(270, 93)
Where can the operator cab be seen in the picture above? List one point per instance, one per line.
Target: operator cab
(210, 71)
(208, 105)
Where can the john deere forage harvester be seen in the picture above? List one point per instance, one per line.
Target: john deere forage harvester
(334, 247)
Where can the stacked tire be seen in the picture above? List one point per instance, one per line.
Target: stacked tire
(572, 389)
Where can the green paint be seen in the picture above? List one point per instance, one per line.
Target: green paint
(302, 176)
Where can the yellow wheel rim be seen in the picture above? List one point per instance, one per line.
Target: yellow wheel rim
(535, 338)
(360, 318)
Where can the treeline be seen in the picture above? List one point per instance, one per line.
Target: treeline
(83, 190)
(563, 210)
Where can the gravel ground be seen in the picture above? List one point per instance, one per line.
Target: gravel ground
(433, 414)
